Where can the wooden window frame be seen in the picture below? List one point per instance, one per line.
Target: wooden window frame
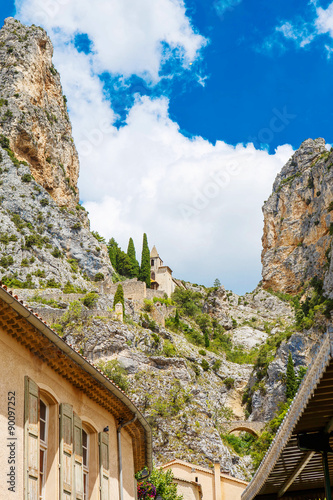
(104, 465)
(43, 450)
(86, 465)
(31, 440)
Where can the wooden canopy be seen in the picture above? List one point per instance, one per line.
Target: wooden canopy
(287, 472)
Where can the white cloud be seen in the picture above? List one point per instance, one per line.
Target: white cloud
(324, 21)
(303, 31)
(128, 36)
(221, 6)
(199, 203)
(301, 35)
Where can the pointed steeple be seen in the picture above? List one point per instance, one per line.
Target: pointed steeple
(154, 253)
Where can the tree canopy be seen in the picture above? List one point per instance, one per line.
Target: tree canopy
(145, 262)
(119, 297)
(132, 256)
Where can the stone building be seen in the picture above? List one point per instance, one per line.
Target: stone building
(195, 482)
(68, 432)
(161, 276)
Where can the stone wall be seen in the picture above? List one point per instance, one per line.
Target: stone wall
(26, 294)
(150, 294)
(133, 289)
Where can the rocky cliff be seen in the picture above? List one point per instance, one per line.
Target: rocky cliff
(44, 235)
(298, 221)
(33, 111)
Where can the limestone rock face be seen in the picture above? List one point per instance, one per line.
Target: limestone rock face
(189, 395)
(33, 112)
(298, 217)
(186, 410)
(271, 393)
(42, 244)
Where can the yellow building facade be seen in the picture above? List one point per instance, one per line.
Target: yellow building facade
(67, 431)
(198, 483)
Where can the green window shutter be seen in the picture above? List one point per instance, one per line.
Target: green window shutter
(31, 440)
(104, 465)
(78, 459)
(66, 452)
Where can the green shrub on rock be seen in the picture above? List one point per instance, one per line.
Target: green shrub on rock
(90, 300)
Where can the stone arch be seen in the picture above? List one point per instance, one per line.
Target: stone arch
(244, 428)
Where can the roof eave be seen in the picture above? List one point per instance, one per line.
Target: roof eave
(83, 363)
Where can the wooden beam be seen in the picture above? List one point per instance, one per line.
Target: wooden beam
(305, 460)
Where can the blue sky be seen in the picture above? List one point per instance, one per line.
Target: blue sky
(165, 97)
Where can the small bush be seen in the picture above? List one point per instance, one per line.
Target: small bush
(74, 265)
(148, 305)
(6, 261)
(69, 288)
(114, 371)
(99, 277)
(90, 300)
(202, 352)
(59, 329)
(229, 382)
(40, 274)
(52, 283)
(26, 178)
(56, 253)
(217, 365)
(15, 283)
(34, 240)
(205, 365)
(169, 349)
(4, 238)
(18, 221)
(80, 207)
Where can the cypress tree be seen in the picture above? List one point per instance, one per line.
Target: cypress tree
(145, 262)
(124, 264)
(119, 297)
(132, 256)
(291, 384)
(113, 250)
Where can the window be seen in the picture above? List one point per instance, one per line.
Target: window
(43, 420)
(78, 450)
(196, 479)
(104, 465)
(152, 262)
(85, 456)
